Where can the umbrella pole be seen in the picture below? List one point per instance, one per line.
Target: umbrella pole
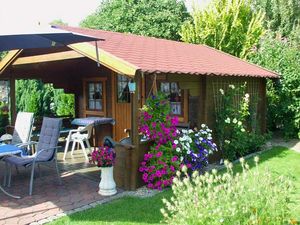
(97, 54)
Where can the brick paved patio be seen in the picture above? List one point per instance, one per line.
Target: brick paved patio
(79, 188)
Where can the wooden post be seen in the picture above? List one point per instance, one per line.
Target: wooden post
(134, 131)
(263, 106)
(12, 94)
(202, 102)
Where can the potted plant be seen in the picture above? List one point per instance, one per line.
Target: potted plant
(104, 157)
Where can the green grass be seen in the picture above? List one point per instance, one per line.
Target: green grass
(132, 210)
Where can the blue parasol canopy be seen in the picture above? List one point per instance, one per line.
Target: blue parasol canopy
(39, 37)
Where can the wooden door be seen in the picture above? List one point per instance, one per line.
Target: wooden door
(122, 106)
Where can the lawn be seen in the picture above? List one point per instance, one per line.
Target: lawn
(132, 210)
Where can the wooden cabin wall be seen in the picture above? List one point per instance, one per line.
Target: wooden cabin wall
(255, 86)
(192, 86)
(201, 91)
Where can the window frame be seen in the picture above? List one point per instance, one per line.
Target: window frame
(86, 83)
(183, 117)
(117, 90)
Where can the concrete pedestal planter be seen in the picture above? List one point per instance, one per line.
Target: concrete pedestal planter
(107, 185)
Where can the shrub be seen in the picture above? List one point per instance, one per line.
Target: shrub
(233, 124)
(281, 55)
(4, 118)
(250, 197)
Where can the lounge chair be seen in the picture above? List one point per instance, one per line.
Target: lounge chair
(45, 151)
(22, 129)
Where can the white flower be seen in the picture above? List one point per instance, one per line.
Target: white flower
(200, 138)
(191, 131)
(240, 123)
(184, 131)
(176, 142)
(181, 158)
(247, 95)
(231, 86)
(188, 152)
(203, 125)
(196, 134)
(221, 91)
(234, 120)
(243, 130)
(178, 150)
(227, 120)
(209, 137)
(227, 141)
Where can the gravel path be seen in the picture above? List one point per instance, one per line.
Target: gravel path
(293, 144)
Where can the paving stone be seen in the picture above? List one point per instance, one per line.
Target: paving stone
(49, 200)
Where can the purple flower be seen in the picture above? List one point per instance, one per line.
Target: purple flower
(158, 173)
(172, 168)
(159, 154)
(174, 158)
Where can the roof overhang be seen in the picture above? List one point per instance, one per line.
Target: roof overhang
(112, 62)
(8, 59)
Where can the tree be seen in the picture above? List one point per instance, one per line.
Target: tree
(43, 99)
(159, 18)
(33, 96)
(281, 55)
(228, 25)
(281, 15)
(63, 104)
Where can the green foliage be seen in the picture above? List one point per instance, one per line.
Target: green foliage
(30, 97)
(250, 197)
(59, 22)
(160, 18)
(228, 25)
(282, 56)
(158, 107)
(63, 104)
(233, 124)
(42, 99)
(4, 117)
(281, 15)
(2, 55)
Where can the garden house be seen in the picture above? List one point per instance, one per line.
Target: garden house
(190, 74)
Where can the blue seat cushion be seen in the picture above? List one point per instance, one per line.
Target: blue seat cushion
(19, 161)
(9, 150)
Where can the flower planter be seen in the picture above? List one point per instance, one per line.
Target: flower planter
(107, 184)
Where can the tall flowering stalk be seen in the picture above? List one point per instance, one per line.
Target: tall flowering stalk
(233, 124)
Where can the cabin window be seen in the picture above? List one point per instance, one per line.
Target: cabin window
(175, 95)
(95, 96)
(123, 89)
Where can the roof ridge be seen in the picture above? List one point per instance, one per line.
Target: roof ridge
(133, 52)
(242, 60)
(123, 33)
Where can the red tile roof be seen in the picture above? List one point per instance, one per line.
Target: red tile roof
(153, 55)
